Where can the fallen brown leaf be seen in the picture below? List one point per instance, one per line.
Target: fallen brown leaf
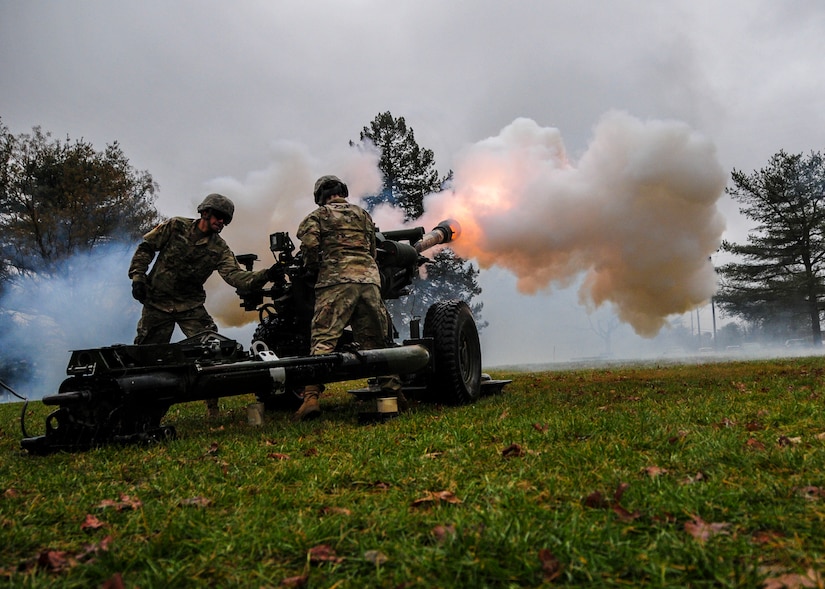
(436, 497)
(299, 581)
(512, 451)
(327, 510)
(755, 444)
(114, 582)
(811, 578)
(766, 536)
(624, 514)
(443, 533)
(702, 530)
(56, 561)
(91, 523)
(126, 503)
(654, 471)
(811, 492)
(550, 565)
(697, 478)
(376, 557)
(324, 553)
(595, 500)
(278, 456)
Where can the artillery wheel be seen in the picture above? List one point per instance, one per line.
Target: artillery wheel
(457, 376)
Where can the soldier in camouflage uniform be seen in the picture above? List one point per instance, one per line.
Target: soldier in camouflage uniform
(338, 243)
(189, 250)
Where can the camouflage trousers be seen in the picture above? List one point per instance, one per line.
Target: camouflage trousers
(359, 306)
(156, 326)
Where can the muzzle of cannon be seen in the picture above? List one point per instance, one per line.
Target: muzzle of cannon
(445, 232)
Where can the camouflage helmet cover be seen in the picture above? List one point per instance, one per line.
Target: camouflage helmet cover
(327, 186)
(219, 203)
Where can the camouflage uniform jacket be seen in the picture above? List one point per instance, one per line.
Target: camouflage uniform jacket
(187, 258)
(338, 240)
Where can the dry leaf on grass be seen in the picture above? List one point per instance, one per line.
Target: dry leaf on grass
(376, 557)
(443, 533)
(91, 523)
(513, 451)
(114, 582)
(550, 565)
(329, 510)
(811, 578)
(324, 553)
(126, 503)
(754, 444)
(432, 497)
(654, 471)
(300, 581)
(703, 531)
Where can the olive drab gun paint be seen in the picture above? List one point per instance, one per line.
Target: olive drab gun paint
(121, 393)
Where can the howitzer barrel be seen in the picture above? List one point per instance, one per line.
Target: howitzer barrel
(198, 382)
(268, 374)
(444, 232)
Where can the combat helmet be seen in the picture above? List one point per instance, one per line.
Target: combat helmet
(327, 186)
(220, 204)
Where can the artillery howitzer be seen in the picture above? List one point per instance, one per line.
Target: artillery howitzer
(120, 393)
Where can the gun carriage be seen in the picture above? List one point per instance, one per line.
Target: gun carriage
(121, 393)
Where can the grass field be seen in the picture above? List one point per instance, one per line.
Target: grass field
(709, 475)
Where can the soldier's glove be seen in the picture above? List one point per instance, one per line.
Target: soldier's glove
(273, 273)
(139, 291)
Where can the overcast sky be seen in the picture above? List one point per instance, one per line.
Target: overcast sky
(199, 90)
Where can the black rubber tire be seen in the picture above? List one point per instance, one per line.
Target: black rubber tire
(456, 379)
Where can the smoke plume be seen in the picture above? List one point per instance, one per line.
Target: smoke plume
(636, 215)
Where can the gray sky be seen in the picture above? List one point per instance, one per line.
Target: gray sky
(202, 90)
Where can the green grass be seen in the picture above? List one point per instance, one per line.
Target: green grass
(610, 470)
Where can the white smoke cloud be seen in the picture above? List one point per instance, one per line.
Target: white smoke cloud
(277, 199)
(637, 215)
(86, 303)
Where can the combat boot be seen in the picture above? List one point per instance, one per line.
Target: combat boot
(309, 409)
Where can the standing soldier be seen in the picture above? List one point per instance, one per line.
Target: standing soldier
(338, 244)
(189, 250)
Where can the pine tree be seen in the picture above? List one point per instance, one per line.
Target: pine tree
(778, 285)
(409, 175)
(408, 170)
